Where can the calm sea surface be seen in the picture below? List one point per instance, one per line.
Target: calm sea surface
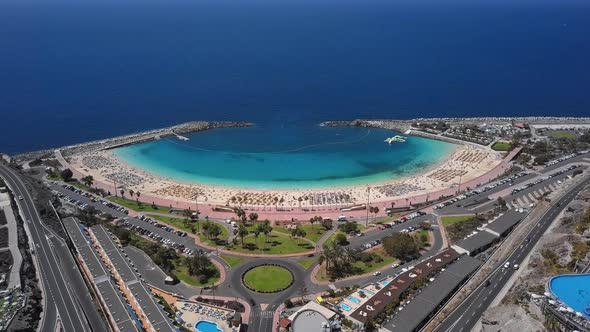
(72, 71)
(317, 157)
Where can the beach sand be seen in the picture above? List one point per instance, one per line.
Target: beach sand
(466, 163)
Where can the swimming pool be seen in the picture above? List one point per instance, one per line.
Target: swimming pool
(354, 300)
(345, 306)
(572, 290)
(206, 326)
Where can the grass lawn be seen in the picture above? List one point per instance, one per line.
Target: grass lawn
(562, 134)
(277, 244)
(371, 267)
(450, 220)
(502, 146)
(135, 206)
(331, 239)
(268, 278)
(382, 220)
(176, 222)
(363, 267)
(181, 272)
(179, 223)
(231, 260)
(307, 262)
(314, 234)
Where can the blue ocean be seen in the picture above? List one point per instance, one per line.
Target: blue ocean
(73, 71)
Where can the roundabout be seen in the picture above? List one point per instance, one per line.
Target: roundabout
(268, 278)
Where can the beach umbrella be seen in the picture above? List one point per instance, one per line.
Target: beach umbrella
(570, 310)
(547, 294)
(562, 309)
(579, 314)
(552, 302)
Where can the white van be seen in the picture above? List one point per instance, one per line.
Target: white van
(342, 218)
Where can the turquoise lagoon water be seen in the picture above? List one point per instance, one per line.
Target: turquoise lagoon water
(573, 290)
(206, 326)
(285, 157)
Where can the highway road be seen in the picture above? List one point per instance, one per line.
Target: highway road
(66, 298)
(464, 317)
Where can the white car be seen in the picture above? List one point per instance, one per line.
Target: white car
(377, 273)
(507, 265)
(395, 265)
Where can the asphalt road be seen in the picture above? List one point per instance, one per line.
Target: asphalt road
(469, 312)
(65, 298)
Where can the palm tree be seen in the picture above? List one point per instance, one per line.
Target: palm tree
(122, 193)
(253, 217)
(375, 211)
(88, 180)
(137, 194)
(256, 233)
(242, 232)
(131, 193)
(312, 221)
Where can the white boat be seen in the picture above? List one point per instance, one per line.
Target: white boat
(396, 138)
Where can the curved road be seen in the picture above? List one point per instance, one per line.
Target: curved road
(464, 317)
(66, 298)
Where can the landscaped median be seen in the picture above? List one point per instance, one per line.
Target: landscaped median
(268, 278)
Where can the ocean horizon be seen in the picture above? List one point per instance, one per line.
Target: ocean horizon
(79, 71)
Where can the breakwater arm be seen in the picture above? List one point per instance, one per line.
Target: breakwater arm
(109, 143)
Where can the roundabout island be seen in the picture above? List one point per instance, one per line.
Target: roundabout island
(268, 278)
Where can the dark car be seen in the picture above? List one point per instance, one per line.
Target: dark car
(486, 283)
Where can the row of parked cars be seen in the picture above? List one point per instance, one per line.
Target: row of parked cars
(159, 238)
(90, 196)
(162, 226)
(543, 179)
(482, 189)
(74, 201)
(560, 159)
(402, 220)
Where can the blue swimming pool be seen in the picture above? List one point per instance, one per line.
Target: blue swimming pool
(206, 326)
(573, 290)
(354, 300)
(345, 306)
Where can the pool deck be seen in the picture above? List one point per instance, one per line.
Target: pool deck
(193, 312)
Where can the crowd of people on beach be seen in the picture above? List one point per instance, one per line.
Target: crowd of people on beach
(397, 189)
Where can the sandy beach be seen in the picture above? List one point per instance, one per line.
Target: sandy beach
(466, 163)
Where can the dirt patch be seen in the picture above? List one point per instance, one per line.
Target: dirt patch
(511, 318)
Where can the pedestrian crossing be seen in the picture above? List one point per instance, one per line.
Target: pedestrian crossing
(262, 314)
(525, 201)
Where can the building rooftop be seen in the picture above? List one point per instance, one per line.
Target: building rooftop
(419, 309)
(116, 304)
(142, 295)
(400, 284)
(505, 222)
(477, 241)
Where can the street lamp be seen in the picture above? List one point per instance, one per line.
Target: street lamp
(367, 207)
